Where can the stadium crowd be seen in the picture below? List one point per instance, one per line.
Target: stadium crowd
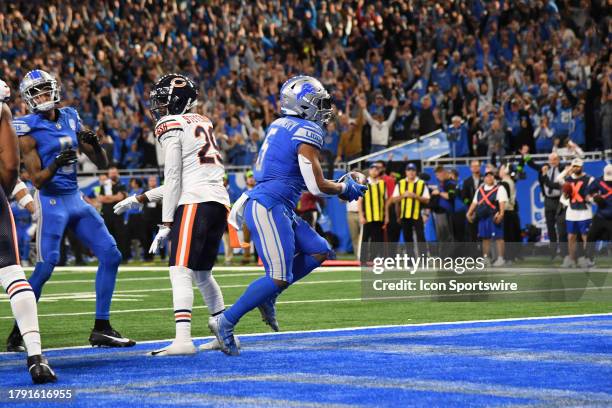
(495, 75)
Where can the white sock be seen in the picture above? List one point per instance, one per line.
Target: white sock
(182, 299)
(23, 304)
(211, 292)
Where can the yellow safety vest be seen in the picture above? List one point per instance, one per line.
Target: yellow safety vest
(411, 207)
(374, 202)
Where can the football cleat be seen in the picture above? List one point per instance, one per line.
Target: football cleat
(39, 369)
(268, 313)
(214, 345)
(224, 332)
(176, 349)
(14, 343)
(499, 262)
(568, 262)
(109, 338)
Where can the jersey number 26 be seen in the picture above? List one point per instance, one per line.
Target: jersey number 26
(210, 141)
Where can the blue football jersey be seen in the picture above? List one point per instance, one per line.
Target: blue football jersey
(277, 171)
(51, 138)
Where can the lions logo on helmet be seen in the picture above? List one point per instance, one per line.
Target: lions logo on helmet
(305, 97)
(40, 91)
(172, 94)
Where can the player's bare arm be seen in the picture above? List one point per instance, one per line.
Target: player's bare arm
(89, 144)
(32, 162)
(9, 152)
(311, 155)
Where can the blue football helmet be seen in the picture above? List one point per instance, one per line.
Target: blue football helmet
(305, 97)
(35, 84)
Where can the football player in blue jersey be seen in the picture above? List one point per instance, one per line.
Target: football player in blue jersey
(48, 137)
(288, 162)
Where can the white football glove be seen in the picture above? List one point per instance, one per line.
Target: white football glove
(160, 239)
(126, 204)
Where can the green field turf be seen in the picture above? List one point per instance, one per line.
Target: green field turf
(328, 298)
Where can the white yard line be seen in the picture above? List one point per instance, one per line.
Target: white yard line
(4, 297)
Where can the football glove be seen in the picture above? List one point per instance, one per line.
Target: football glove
(160, 239)
(88, 136)
(66, 157)
(353, 190)
(130, 203)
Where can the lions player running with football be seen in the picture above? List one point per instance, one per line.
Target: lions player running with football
(287, 163)
(194, 203)
(19, 291)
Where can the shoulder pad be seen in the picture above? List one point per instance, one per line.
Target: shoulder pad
(166, 124)
(309, 133)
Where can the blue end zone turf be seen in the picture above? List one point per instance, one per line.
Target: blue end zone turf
(546, 362)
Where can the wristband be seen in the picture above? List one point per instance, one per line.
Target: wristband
(25, 200)
(18, 187)
(344, 187)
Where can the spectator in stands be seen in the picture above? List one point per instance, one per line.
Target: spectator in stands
(495, 137)
(351, 130)
(380, 127)
(457, 135)
(543, 136)
(429, 117)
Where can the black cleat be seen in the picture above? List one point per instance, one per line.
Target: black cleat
(39, 369)
(109, 338)
(14, 343)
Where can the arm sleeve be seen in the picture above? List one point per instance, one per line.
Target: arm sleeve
(172, 174)
(155, 195)
(368, 117)
(391, 118)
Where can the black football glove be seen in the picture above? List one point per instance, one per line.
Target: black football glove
(67, 157)
(89, 137)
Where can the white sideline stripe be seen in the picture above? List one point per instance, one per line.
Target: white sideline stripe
(159, 309)
(4, 297)
(151, 278)
(356, 328)
(89, 269)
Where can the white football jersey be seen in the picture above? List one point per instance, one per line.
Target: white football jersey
(200, 168)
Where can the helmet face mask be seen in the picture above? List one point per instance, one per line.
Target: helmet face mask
(40, 91)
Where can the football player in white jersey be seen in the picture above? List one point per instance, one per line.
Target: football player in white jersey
(195, 202)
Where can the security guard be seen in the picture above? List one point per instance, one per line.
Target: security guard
(371, 209)
(412, 194)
